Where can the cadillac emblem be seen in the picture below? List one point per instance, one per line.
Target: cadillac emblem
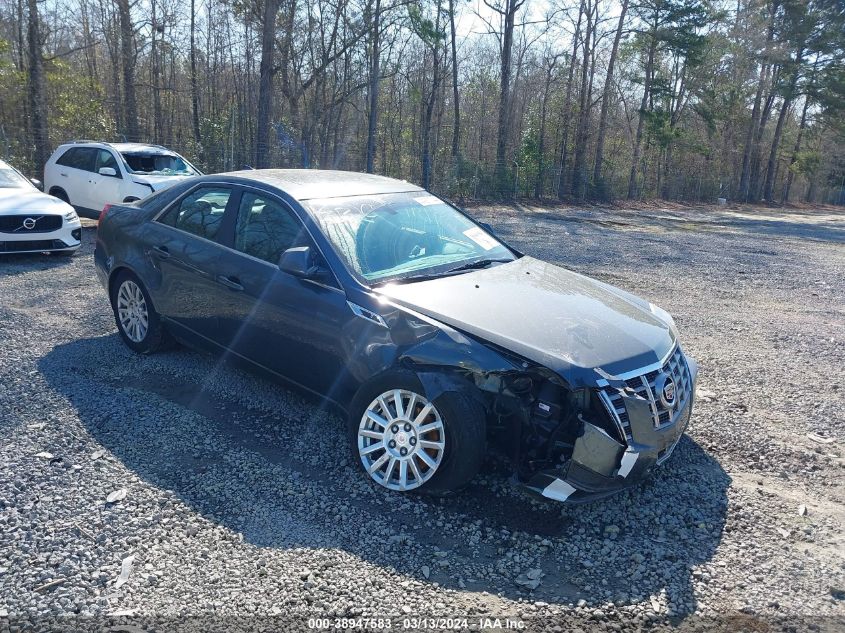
(666, 390)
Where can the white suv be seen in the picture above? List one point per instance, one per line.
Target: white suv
(90, 175)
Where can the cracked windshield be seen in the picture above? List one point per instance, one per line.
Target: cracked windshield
(158, 164)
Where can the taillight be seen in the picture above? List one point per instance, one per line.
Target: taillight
(103, 214)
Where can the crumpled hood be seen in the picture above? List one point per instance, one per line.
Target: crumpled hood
(22, 201)
(552, 316)
(158, 182)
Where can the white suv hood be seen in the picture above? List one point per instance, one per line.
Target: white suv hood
(158, 182)
(21, 201)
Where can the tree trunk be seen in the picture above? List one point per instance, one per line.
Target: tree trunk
(605, 100)
(429, 107)
(579, 171)
(37, 89)
(265, 83)
(375, 61)
(456, 104)
(790, 176)
(573, 61)
(541, 141)
(769, 185)
(795, 150)
(635, 161)
(195, 97)
(511, 7)
(756, 146)
(127, 60)
(155, 71)
(21, 20)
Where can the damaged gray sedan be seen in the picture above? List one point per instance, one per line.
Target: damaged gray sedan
(432, 335)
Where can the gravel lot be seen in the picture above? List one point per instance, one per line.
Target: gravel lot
(239, 500)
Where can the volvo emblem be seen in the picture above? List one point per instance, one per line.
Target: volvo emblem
(29, 224)
(666, 388)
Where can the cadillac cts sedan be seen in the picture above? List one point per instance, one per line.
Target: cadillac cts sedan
(432, 335)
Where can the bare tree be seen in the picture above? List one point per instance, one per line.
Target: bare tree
(507, 10)
(265, 82)
(605, 99)
(127, 60)
(37, 88)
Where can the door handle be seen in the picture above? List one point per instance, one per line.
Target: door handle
(230, 282)
(161, 251)
(63, 175)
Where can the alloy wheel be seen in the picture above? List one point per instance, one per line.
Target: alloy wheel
(401, 440)
(132, 311)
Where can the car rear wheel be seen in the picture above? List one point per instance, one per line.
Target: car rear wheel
(405, 442)
(137, 321)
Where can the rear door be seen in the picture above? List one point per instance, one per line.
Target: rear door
(75, 168)
(291, 326)
(184, 242)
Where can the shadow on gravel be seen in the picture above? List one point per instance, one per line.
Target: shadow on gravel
(283, 481)
(16, 264)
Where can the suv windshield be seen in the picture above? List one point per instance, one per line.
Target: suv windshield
(11, 179)
(157, 163)
(398, 236)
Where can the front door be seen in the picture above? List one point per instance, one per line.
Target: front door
(291, 326)
(104, 189)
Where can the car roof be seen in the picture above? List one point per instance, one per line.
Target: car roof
(141, 147)
(122, 147)
(307, 184)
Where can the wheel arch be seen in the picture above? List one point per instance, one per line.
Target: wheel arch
(58, 192)
(115, 272)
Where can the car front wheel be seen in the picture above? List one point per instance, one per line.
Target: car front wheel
(137, 321)
(406, 442)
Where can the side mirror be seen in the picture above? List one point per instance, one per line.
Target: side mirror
(299, 262)
(108, 171)
(37, 183)
(487, 228)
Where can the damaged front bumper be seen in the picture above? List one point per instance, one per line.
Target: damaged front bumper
(601, 465)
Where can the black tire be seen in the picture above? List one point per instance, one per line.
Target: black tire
(156, 337)
(463, 421)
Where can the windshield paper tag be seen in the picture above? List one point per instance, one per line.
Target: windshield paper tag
(427, 201)
(481, 238)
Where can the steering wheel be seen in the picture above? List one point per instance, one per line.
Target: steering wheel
(382, 244)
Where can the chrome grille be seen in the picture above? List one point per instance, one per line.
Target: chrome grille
(643, 384)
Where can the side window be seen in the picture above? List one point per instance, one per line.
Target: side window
(84, 158)
(79, 158)
(106, 159)
(200, 212)
(265, 229)
(67, 158)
